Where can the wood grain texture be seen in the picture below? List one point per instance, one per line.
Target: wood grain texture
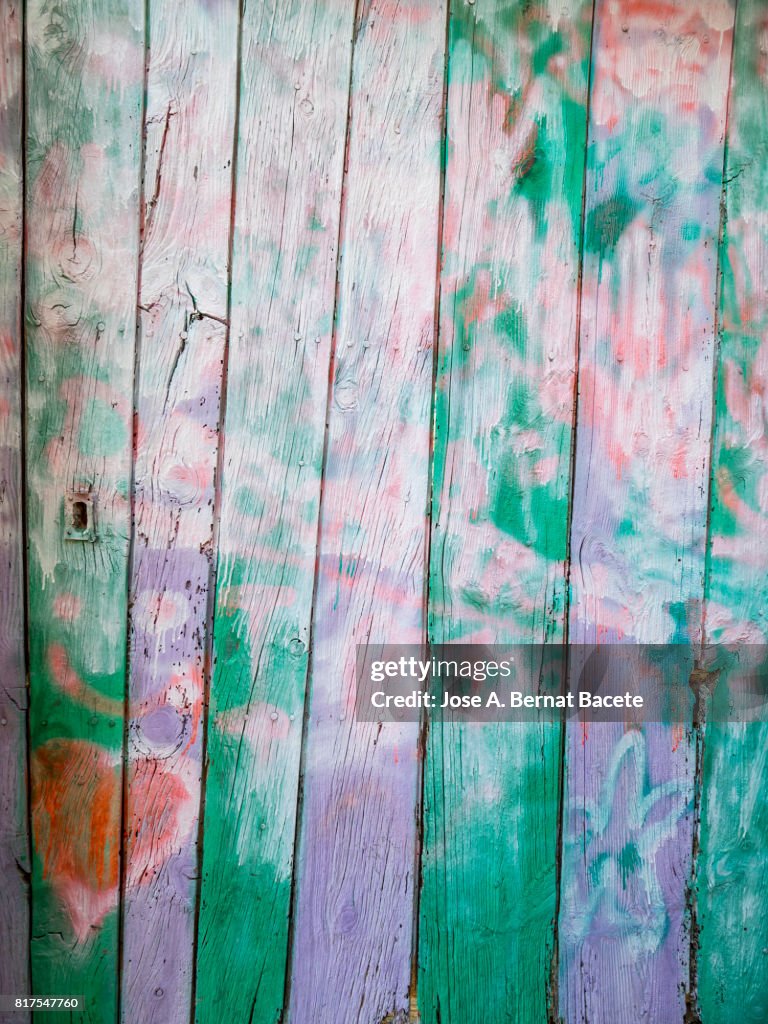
(516, 132)
(657, 120)
(355, 881)
(295, 74)
(190, 109)
(733, 936)
(84, 104)
(14, 839)
(324, 533)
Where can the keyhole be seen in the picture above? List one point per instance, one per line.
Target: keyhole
(79, 515)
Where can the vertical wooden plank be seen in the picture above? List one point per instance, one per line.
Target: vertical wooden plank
(657, 121)
(14, 840)
(84, 101)
(293, 106)
(733, 935)
(190, 109)
(355, 880)
(516, 129)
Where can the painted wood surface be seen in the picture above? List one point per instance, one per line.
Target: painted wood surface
(304, 167)
(655, 161)
(84, 107)
(293, 108)
(189, 140)
(733, 930)
(14, 838)
(356, 879)
(516, 134)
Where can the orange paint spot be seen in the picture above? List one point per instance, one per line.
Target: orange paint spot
(76, 793)
(76, 822)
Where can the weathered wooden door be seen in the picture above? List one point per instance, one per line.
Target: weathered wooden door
(328, 323)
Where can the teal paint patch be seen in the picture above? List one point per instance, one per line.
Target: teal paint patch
(102, 430)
